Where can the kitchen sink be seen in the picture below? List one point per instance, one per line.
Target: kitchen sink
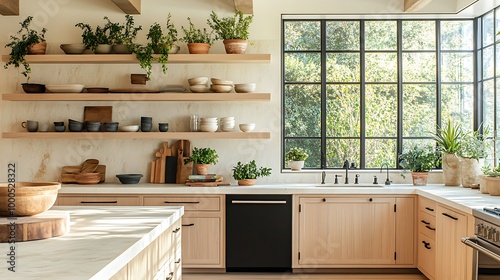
(350, 185)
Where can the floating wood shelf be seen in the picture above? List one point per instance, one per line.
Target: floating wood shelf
(130, 58)
(136, 135)
(11, 7)
(137, 97)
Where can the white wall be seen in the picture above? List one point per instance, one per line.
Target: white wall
(41, 160)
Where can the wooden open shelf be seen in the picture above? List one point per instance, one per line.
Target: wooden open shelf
(136, 135)
(137, 97)
(130, 58)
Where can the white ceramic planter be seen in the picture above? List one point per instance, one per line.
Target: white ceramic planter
(296, 165)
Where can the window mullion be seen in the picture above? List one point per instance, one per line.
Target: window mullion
(323, 95)
(362, 113)
(399, 145)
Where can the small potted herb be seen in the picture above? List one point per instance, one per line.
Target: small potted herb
(490, 181)
(419, 161)
(472, 153)
(295, 158)
(122, 36)
(98, 41)
(198, 40)
(246, 174)
(233, 30)
(27, 41)
(203, 158)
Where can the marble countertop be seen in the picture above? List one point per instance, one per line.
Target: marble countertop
(463, 199)
(100, 242)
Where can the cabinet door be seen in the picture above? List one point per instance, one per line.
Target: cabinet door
(357, 231)
(451, 254)
(201, 242)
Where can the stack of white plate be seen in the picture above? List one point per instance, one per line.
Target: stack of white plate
(227, 123)
(208, 124)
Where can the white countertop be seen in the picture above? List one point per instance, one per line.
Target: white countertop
(460, 198)
(100, 242)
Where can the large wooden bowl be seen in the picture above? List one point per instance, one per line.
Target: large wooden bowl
(30, 198)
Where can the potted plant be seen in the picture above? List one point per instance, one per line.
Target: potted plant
(198, 40)
(472, 153)
(246, 174)
(419, 161)
(98, 41)
(122, 36)
(233, 30)
(295, 158)
(163, 43)
(448, 142)
(490, 181)
(27, 41)
(203, 158)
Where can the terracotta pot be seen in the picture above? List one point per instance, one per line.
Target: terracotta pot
(202, 169)
(483, 184)
(491, 185)
(471, 169)
(419, 178)
(103, 49)
(38, 48)
(296, 165)
(451, 170)
(235, 46)
(198, 48)
(247, 182)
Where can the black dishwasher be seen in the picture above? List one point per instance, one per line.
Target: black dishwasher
(258, 233)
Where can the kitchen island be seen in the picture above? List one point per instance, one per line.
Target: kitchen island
(103, 243)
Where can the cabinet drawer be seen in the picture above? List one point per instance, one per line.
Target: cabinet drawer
(426, 256)
(427, 224)
(98, 201)
(426, 205)
(191, 203)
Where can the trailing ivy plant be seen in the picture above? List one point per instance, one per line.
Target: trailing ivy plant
(20, 45)
(194, 35)
(249, 171)
(235, 27)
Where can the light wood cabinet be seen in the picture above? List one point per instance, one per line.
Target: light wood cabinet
(426, 261)
(357, 231)
(97, 200)
(203, 228)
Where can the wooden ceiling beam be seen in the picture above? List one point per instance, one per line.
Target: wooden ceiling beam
(131, 7)
(9, 7)
(415, 5)
(246, 6)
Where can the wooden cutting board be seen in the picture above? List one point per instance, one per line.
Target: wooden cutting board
(45, 225)
(98, 114)
(184, 145)
(68, 173)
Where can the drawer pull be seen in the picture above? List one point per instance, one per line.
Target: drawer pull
(178, 261)
(176, 230)
(425, 223)
(170, 276)
(430, 209)
(87, 202)
(430, 228)
(427, 245)
(182, 202)
(188, 225)
(449, 216)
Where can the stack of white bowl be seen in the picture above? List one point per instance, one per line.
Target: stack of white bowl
(198, 84)
(227, 123)
(208, 124)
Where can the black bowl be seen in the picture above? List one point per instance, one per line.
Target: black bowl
(111, 126)
(129, 178)
(73, 127)
(33, 88)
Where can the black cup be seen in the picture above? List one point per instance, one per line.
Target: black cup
(146, 119)
(58, 123)
(163, 127)
(146, 127)
(60, 128)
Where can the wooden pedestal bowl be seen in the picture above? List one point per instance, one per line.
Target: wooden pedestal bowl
(30, 198)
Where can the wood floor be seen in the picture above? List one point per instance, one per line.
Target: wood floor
(281, 276)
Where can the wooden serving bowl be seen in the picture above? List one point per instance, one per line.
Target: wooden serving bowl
(30, 198)
(87, 178)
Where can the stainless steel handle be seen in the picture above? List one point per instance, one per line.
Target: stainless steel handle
(472, 242)
(258, 202)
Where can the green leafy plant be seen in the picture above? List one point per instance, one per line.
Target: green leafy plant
(193, 35)
(473, 145)
(419, 159)
(249, 171)
(21, 43)
(296, 154)
(125, 34)
(448, 138)
(235, 27)
(91, 39)
(203, 156)
(491, 172)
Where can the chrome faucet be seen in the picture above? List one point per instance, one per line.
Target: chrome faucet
(387, 180)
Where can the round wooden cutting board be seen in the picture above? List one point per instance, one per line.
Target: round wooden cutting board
(45, 225)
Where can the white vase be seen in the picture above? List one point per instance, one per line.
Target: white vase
(296, 165)
(451, 170)
(471, 169)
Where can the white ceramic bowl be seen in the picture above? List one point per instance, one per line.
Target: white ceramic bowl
(208, 119)
(129, 128)
(227, 122)
(198, 81)
(198, 88)
(247, 127)
(223, 119)
(68, 88)
(227, 128)
(221, 88)
(217, 81)
(244, 88)
(73, 48)
(208, 127)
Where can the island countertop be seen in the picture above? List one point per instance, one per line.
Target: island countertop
(100, 242)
